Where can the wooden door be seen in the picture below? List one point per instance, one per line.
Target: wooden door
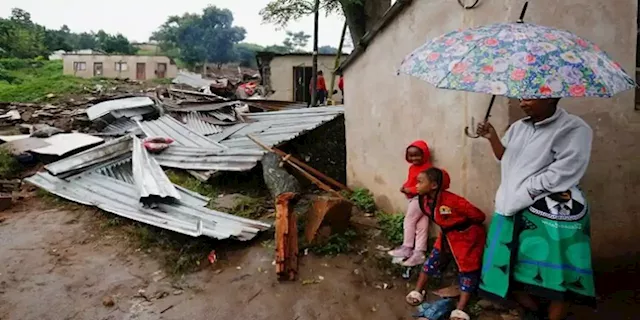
(97, 69)
(141, 73)
(161, 71)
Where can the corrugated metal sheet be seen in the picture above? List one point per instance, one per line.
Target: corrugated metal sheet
(205, 107)
(209, 159)
(110, 150)
(121, 198)
(148, 177)
(167, 126)
(121, 127)
(194, 121)
(103, 108)
(122, 170)
(273, 128)
(57, 145)
(193, 80)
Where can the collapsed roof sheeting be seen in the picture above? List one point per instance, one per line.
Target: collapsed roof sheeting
(122, 170)
(191, 79)
(273, 128)
(168, 127)
(209, 159)
(118, 106)
(57, 145)
(194, 121)
(149, 178)
(95, 156)
(121, 198)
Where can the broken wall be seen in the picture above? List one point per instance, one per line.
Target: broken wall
(387, 112)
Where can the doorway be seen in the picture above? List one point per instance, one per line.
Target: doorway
(141, 73)
(97, 69)
(301, 81)
(161, 71)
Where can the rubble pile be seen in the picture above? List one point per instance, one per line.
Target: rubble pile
(103, 156)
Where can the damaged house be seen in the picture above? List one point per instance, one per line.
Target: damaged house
(288, 75)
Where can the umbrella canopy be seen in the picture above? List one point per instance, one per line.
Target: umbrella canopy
(517, 60)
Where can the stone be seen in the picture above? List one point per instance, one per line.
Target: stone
(107, 301)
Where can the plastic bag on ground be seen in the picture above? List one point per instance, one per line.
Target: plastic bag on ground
(156, 144)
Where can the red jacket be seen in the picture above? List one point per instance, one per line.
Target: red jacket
(320, 84)
(341, 83)
(461, 225)
(414, 170)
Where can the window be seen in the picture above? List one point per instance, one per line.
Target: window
(79, 66)
(121, 66)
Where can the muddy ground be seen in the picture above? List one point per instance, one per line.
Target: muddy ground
(61, 262)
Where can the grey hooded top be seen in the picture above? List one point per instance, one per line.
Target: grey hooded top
(542, 158)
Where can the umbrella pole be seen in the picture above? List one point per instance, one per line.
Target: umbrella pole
(473, 135)
(493, 98)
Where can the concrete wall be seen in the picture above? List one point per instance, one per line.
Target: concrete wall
(282, 74)
(109, 69)
(386, 112)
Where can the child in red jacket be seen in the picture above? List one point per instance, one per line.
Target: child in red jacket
(462, 237)
(416, 224)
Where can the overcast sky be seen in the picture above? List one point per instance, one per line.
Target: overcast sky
(137, 19)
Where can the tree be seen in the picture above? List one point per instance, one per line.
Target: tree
(20, 37)
(246, 54)
(360, 15)
(296, 41)
(277, 49)
(327, 50)
(206, 37)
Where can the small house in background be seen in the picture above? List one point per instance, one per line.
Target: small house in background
(289, 75)
(119, 66)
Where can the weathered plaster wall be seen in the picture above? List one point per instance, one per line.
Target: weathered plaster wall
(282, 74)
(109, 69)
(386, 112)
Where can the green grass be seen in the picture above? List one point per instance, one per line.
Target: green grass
(32, 80)
(363, 199)
(336, 244)
(391, 226)
(9, 166)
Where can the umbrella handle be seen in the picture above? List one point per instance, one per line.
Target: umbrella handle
(523, 12)
(468, 7)
(473, 135)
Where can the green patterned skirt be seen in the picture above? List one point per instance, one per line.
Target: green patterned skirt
(544, 252)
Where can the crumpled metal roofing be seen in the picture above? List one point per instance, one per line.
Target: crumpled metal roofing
(195, 122)
(95, 156)
(167, 126)
(121, 127)
(208, 159)
(119, 105)
(274, 128)
(121, 198)
(121, 169)
(191, 79)
(149, 178)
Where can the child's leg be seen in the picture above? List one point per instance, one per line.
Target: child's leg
(422, 233)
(411, 219)
(468, 285)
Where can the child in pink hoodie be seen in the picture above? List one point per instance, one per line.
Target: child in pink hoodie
(416, 224)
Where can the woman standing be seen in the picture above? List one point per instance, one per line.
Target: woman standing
(538, 244)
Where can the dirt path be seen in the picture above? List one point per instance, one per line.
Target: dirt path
(58, 264)
(55, 265)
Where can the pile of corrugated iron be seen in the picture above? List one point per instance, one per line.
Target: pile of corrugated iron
(210, 134)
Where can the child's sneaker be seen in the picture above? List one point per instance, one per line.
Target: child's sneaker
(401, 252)
(417, 258)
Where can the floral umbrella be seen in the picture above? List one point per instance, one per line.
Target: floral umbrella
(517, 60)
